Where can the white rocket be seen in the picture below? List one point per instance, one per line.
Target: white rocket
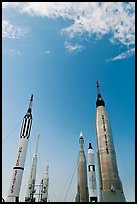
(18, 169)
(110, 184)
(82, 187)
(92, 175)
(44, 186)
(31, 184)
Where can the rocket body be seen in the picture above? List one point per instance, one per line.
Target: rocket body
(14, 190)
(92, 175)
(82, 187)
(45, 185)
(109, 181)
(31, 184)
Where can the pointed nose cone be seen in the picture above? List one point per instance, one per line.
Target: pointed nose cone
(47, 168)
(46, 171)
(81, 135)
(90, 146)
(30, 105)
(100, 101)
(81, 141)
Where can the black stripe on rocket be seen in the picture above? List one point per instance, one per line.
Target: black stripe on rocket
(18, 167)
(26, 126)
(91, 168)
(29, 129)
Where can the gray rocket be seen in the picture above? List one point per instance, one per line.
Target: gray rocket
(82, 187)
(110, 184)
(18, 169)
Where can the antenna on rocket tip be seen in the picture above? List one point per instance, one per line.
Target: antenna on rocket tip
(31, 99)
(97, 85)
(30, 103)
(100, 101)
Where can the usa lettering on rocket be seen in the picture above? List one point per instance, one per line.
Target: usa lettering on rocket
(18, 169)
(110, 185)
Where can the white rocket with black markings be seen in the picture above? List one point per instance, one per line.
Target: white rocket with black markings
(18, 169)
(92, 175)
(110, 184)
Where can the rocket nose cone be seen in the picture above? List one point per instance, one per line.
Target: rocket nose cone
(81, 135)
(90, 146)
(47, 168)
(81, 140)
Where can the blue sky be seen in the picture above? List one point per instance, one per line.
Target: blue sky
(57, 51)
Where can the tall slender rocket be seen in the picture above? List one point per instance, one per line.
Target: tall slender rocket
(109, 181)
(82, 187)
(44, 186)
(92, 175)
(31, 184)
(18, 169)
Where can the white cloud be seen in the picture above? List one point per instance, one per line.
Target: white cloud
(73, 48)
(12, 52)
(88, 18)
(46, 52)
(124, 55)
(11, 31)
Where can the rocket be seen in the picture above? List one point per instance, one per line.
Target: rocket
(92, 175)
(31, 184)
(44, 186)
(82, 187)
(109, 181)
(18, 169)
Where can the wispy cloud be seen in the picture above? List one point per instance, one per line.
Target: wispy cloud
(124, 55)
(88, 18)
(11, 31)
(12, 52)
(46, 52)
(73, 48)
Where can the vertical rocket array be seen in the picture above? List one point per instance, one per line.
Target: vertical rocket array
(82, 187)
(109, 181)
(31, 184)
(18, 169)
(92, 175)
(110, 185)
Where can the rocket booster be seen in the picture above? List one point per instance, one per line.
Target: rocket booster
(109, 181)
(92, 175)
(31, 185)
(18, 169)
(45, 185)
(82, 187)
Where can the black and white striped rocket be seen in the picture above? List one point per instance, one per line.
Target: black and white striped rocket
(31, 184)
(92, 175)
(110, 184)
(18, 169)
